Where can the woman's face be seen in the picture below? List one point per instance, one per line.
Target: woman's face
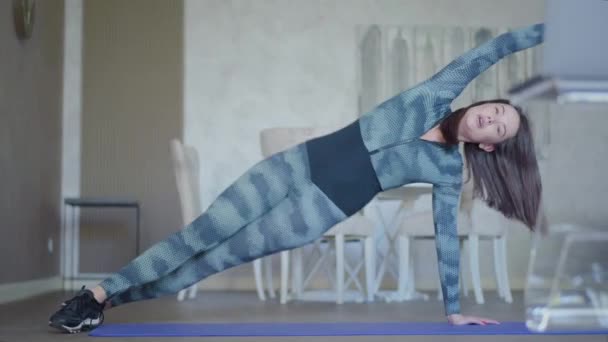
(489, 124)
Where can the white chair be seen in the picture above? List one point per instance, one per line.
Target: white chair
(186, 168)
(475, 221)
(420, 226)
(356, 228)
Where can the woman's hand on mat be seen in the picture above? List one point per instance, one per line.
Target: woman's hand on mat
(458, 319)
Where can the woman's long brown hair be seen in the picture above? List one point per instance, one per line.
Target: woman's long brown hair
(508, 178)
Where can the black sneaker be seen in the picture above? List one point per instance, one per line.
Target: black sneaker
(81, 313)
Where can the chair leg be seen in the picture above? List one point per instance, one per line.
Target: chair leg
(500, 288)
(267, 263)
(370, 267)
(193, 290)
(340, 268)
(411, 278)
(505, 269)
(182, 295)
(259, 283)
(403, 284)
(297, 272)
(463, 271)
(474, 265)
(284, 276)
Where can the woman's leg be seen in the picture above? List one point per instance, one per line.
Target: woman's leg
(252, 195)
(299, 219)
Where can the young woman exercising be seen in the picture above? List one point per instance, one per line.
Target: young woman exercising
(291, 198)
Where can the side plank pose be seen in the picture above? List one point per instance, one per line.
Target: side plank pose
(291, 198)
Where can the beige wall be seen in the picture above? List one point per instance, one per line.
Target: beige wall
(132, 107)
(30, 144)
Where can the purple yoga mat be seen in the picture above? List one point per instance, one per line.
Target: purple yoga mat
(319, 329)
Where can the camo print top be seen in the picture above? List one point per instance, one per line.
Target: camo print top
(391, 133)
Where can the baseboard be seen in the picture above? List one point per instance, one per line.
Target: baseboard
(25, 289)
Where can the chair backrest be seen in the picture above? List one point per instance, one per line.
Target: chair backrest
(186, 167)
(466, 197)
(487, 221)
(277, 139)
(194, 178)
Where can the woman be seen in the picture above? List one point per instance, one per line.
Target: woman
(293, 197)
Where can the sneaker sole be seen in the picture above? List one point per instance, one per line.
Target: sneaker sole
(86, 325)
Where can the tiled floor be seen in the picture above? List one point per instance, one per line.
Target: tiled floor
(26, 320)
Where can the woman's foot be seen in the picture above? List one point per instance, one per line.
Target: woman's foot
(80, 313)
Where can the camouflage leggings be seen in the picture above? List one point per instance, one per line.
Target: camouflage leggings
(274, 206)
